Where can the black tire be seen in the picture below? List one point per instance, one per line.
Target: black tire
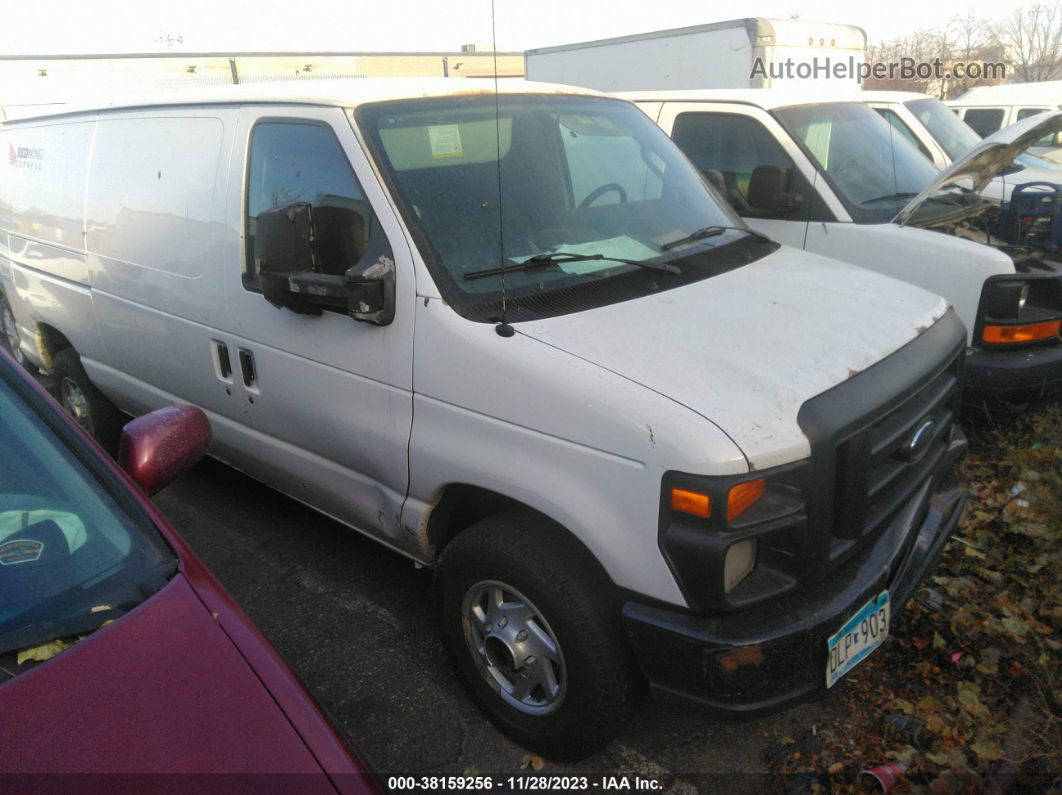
(539, 561)
(7, 317)
(96, 414)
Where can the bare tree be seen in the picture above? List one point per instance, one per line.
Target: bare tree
(972, 40)
(1031, 37)
(921, 46)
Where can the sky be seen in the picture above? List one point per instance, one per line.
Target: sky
(51, 27)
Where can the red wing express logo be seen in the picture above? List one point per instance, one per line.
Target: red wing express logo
(21, 550)
(28, 157)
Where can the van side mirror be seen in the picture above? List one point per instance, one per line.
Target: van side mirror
(283, 246)
(767, 192)
(295, 242)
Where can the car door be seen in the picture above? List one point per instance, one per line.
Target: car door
(329, 398)
(156, 248)
(729, 142)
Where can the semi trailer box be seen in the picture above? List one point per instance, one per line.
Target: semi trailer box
(737, 53)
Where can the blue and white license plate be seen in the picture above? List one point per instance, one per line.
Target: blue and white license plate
(860, 635)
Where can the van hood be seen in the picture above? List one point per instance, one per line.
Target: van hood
(747, 348)
(988, 159)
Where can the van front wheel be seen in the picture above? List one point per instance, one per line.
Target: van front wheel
(532, 628)
(84, 402)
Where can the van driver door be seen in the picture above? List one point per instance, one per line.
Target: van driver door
(328, 398)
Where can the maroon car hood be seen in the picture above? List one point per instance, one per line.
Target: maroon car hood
(162, 690)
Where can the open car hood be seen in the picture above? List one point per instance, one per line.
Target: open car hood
(988, 159)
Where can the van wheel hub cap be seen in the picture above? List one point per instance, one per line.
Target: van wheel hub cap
(76, 404)
(514, 649)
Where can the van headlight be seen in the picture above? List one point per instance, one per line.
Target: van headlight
(734, 540)
(740, 561)
(1019, 309)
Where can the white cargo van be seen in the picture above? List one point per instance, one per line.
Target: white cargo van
(832, 177)
(512, 337)
(988, 109)
(757, 52)
(944, 138)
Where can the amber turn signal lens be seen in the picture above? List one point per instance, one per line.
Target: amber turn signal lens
(691, 502)
(1027, 333)
(743, 496)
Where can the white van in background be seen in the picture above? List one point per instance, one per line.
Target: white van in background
(515, 338)
(988, 109)
(832, 177)
(944, 138)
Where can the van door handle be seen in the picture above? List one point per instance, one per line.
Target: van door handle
(222, 363)
(250, 377)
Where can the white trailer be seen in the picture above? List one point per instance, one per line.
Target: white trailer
(756, 52)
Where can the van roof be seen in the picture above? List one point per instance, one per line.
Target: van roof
(342, 92)
(892, 96)
(766, 98)
(1048, 92)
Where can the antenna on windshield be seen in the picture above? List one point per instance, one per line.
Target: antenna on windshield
(503, 328)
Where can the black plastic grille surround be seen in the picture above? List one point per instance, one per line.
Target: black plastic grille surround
(819, 514)
(864, 468)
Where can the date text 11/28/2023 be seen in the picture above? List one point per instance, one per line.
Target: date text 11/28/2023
(475, 783)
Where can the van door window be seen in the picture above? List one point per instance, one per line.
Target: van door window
(1024, 113)
(984, 121)
(728, 149)
(899, 126)
(303, 162)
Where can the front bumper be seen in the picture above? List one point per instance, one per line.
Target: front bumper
(772, 656)
(1015, 376)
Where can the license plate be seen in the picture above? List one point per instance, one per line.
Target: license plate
(860, 635)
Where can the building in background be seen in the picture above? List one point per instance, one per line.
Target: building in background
(31, 80)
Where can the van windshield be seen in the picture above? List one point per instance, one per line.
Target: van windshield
(488, 182)
(954, 135)
(874, 170)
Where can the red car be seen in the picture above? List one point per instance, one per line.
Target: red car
(119, 651)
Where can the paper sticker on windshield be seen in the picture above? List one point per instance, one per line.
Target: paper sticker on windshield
(21, 550)
(445, 140)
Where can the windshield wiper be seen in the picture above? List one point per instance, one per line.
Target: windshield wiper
(908, 195)
(563, 258)
(712, 231)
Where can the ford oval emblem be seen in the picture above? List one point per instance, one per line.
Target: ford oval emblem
(916, 446)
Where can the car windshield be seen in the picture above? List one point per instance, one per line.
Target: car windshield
(874, 170)
(71, 557)
(954, 135)
(489, 182)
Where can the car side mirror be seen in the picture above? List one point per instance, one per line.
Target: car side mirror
(159, 446)
(283, 246)
(295, 243)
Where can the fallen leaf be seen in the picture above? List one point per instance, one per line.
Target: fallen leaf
(988, 750)
(43, 652)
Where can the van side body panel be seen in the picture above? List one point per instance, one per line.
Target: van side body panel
(579, 443)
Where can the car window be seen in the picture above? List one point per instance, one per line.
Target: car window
(899, 126)
(1024, 113)
(71, 558)
(871, 169)
(955, 137)
(489, 182)
(294, 162)
(984, 121)
(598, 156)
(728, 148)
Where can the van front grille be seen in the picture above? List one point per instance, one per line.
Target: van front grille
(878, 472)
